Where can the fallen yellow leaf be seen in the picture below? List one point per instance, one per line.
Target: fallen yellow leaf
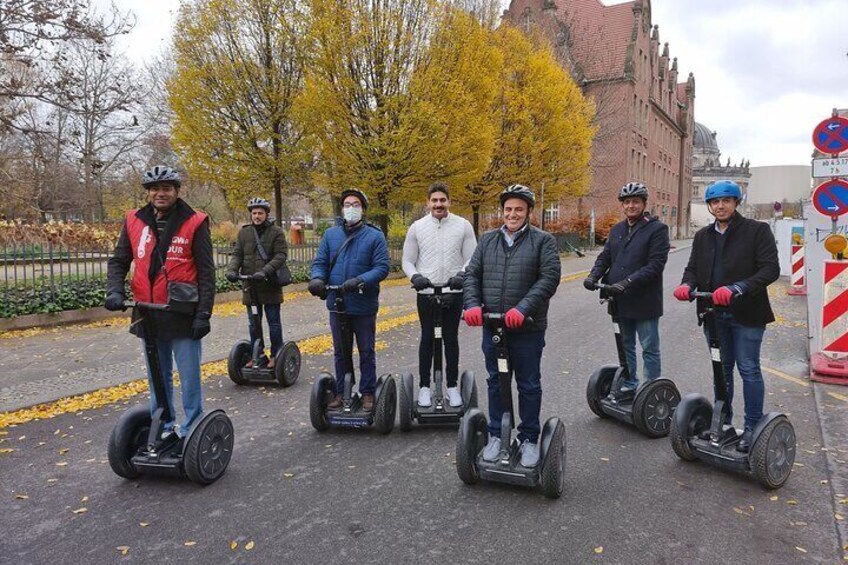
(801, 549)
(288, 475)
(80, 510)
(791, 502)
(84, 499)
(599, 549)
(124, 549)
(839, 517)
(63, 451)
(605, 459)
(773, 498)
(61, 463)
(233, 545)
(249, 545)
(190, 543)
(143, 524)
(6, 450)
(21, 496)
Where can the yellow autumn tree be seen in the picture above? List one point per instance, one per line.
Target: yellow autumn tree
(239, 67)
(544, 125)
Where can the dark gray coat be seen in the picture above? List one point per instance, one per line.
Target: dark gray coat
(246, 260)
(524, 276)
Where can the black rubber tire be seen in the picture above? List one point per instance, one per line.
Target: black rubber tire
(240, 354)
(322, 392)
(209, 449)
(287, 364)
(468, 389)
(654, 407)
(386, 406)
(773, 453)
(127, 437)
(598, 387)
(692, 416)
(405, 402)
(472, 438)
(552, 474)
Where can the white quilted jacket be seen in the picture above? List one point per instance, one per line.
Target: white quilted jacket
(438, 249)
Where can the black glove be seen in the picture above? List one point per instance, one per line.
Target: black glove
(259, 276)
(456, 281)
(419, 282)
(317, 288)
(589, 283)
(352, 285)
(114, 302)
(619, 288)
(232, 276)
(201, 326)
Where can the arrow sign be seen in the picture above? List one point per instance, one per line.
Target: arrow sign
(831, 198)
(831, 135)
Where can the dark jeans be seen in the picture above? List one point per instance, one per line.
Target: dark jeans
(525, 352)
(740, 346)
(275, 326)
(648, 331)
(451, 313)
(365, 329)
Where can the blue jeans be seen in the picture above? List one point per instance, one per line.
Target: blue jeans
(649, 337)
(740, 346)
(525, 354)
(365, 329)
(275, 326)
(186, 352)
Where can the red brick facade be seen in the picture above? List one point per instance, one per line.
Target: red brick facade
(645, 118)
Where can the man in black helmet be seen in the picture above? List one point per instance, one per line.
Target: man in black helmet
(632, 263)
(248, 260)
(514, 271)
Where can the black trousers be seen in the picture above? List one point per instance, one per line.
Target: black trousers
(451, 313)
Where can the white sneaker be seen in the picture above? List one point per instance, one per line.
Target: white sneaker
(529, 454)
(492, 449)
(454, 398)
(424, 396)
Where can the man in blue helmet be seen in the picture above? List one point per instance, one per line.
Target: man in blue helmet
(735, 258)
(632, 263)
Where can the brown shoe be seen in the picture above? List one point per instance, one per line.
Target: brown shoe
(336, 403)
(367, 402)
(249, 364)
(270, 363)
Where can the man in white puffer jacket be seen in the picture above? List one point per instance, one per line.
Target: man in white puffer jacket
(436, 251)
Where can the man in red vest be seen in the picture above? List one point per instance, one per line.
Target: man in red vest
(171, 246)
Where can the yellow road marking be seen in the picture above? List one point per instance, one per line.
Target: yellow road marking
(575, 276)
(838, 396)
(786, 377)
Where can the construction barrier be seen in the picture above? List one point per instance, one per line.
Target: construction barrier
(830, 365)
(797, 284)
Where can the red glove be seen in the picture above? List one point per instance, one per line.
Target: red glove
(514, 318)
(474, 316)
(722, 296)
(682, 292)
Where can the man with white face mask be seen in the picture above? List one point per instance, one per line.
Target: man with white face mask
(354, 254)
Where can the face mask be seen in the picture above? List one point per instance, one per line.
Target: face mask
(352, 215)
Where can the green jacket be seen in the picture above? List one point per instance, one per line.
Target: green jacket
(246, 260)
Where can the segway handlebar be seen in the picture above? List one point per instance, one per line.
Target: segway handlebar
(440, 289)
(698, 294)
(498, 318)
(146, 306)
(340, 288)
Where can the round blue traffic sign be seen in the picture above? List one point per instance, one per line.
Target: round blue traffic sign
(831, 198)
(831, 136)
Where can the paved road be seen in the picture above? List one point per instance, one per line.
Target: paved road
(348, 496)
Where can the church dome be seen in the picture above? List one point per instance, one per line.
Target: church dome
(704, 139)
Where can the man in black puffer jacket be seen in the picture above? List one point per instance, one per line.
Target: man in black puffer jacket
(514, 271)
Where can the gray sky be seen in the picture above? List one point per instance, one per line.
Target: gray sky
(766, 71)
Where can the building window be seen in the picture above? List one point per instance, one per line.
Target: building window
(552, 213)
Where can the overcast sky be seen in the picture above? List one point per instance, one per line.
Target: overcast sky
(766, 71)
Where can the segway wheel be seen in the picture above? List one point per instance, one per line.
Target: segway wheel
(773, 453)
(469, 389)
(552, 476)
(406, 393)
(473, 437)
(209, 449)
(287, 364)
(692, 416)
(599, 387)
(128, 436)
(386, 406)
(654, 406)
(239, 356)
(322, 393)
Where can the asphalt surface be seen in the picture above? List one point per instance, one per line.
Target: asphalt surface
(355, 496)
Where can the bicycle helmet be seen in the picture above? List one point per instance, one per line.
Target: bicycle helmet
(160, 173)
(633, 189)
(258, 202)
(354, 192)
(518, 191)
(721, 189)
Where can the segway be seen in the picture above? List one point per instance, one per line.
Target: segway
(652, 404)
(699, 429)
(286, 367)
(136, 445)
(350, 414)
(548, 474)
(439, 411)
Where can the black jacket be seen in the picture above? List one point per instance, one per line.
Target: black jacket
(639, 257)
(524, 276)
(169, 325)
(246, 260)
(749, 261)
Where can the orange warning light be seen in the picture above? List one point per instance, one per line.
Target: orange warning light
(835, 244)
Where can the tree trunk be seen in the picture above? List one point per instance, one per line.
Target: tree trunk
(476, 220)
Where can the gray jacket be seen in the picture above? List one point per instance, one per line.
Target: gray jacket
(524, 276)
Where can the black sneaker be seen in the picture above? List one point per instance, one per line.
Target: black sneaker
(744, 444)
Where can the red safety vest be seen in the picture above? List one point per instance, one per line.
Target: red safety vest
(179, 260)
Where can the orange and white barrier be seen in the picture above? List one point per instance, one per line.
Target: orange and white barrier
(797, 283)
(830, 365)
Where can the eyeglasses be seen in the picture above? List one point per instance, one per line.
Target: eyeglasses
(348, 205)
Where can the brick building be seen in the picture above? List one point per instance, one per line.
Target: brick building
(645, 117)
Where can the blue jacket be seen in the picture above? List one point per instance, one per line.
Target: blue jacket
(639, 257)
(366, 257)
